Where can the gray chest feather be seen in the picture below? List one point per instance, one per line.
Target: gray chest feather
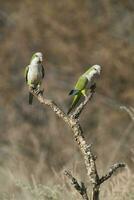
(34, 73)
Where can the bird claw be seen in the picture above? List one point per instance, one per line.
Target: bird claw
(38, 91)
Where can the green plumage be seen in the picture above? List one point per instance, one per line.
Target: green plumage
(75, 101)
(34, 73)
(30, 98)
(25, 73)
(30, 94)
(88, 71)
(85, 82)
(81, 83)
(80, 88)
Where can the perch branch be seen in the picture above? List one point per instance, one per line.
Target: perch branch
(111, 171)
(82, 105)
(86, 150)
(51, 104)
(80, 188)
(78, 135)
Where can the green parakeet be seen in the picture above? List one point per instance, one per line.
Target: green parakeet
(34, 73)
(86, 81)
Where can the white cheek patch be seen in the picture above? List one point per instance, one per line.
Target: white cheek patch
(97, 68)
(35, 61)
(91, 75)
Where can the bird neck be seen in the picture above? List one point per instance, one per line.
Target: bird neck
(34, 61)
(89, 74)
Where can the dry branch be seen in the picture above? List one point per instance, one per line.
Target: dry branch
(80, 108)
(111, 171)
(80, 188)
(73, 121)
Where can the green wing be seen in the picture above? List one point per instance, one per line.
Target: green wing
(26, 72)
(77, 91)
(81, 83)
(43, 71)
(75, 101)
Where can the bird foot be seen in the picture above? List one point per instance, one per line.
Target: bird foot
(38, 91)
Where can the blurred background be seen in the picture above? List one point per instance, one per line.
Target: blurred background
(36, 146)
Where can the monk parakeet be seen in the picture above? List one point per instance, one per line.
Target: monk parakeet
(34, 73)
(85, 82)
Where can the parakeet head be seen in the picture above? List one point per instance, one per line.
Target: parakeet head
(97, 68)
(37, 58)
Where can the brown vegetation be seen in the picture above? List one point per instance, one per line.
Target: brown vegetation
(72, 35)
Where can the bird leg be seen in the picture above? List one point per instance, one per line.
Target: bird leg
(84, 94)
(38, 90)
(35, 89)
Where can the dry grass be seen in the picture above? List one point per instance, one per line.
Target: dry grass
(72, 35)
(120, 187)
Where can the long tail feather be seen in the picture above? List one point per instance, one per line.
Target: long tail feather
(74, 92)
(30, 98)
(75, 101)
